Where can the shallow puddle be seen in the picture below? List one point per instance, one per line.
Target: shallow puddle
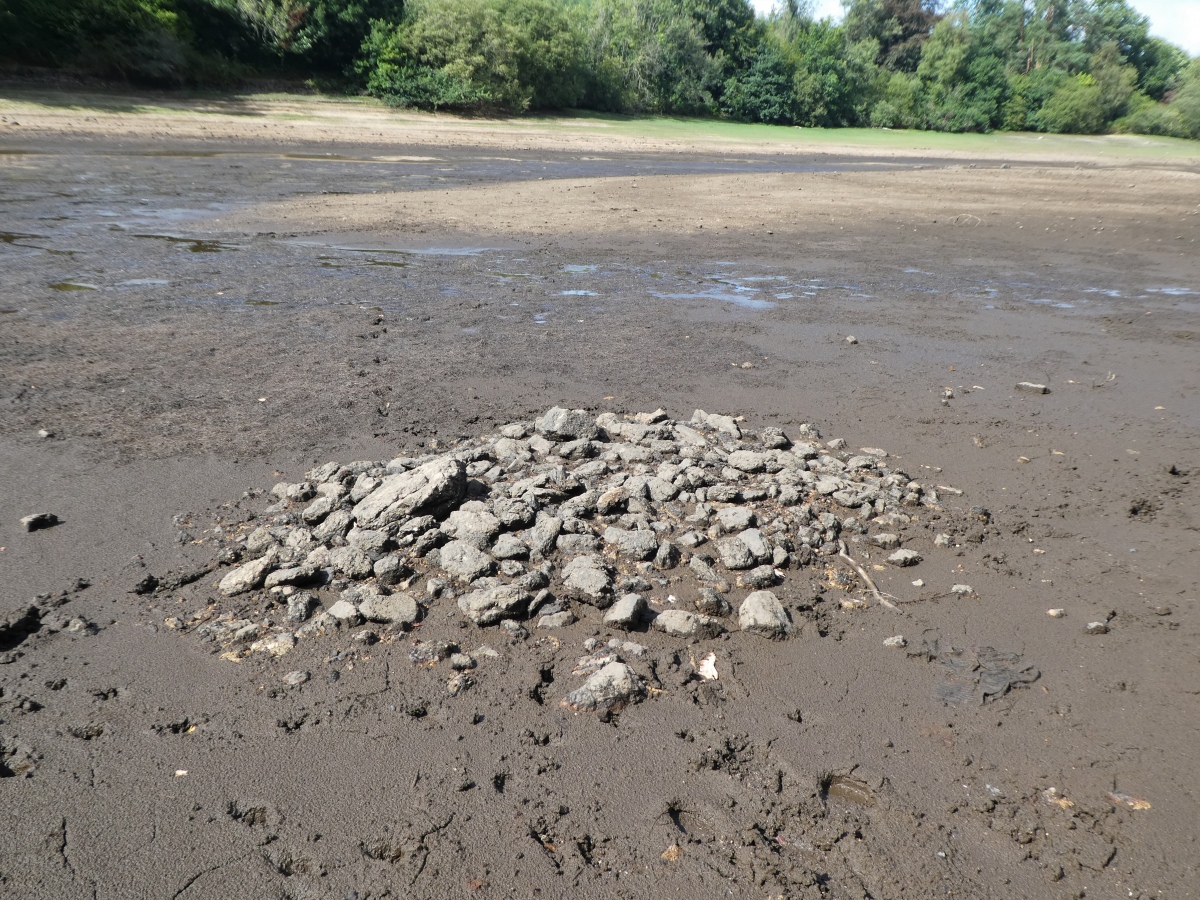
(194, 245)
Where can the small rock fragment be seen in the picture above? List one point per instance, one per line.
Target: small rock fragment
(762, 613)
(297, 678)
(680, 623)
(905, 558)
(897, 642)
(1030, 387)
(1097, 628)
(1057, 613)
(38, 521)
(612, 687)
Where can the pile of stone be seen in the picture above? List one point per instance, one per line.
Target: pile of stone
(637, 522)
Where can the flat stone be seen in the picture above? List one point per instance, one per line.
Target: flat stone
(762, 613)
(759, 577)
(559, 424)
(247, 577)
(628, 612)
(472, 518)
(1029, 387)
(558, 619)
(635, 544)
(352, 562)
(748, 460)
(896, 642)
(885, 540)
(589, 578)
(735, 518)
(905, 558)
(297, 678)
(681, 623)
(393, 609)
(509, 546)
(275, 644)
(464, 562)
(612, 687)
(491, 605)
(345, 611)
(437, 483)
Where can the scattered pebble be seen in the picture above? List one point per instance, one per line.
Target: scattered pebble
(851, 339)
(1029, 387)
(1056, 613)
(1097, 628)
(920, 582)
(897, 642)
(294, 679)
(961, 589)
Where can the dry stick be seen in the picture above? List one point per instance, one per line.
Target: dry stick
(862, 573)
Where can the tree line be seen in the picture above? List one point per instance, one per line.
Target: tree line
(1078, 66)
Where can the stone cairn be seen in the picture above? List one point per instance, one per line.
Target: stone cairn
(638, 522)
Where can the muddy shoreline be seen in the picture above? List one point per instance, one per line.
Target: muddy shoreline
(224, 315)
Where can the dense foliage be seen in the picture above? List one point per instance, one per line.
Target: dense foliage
(1083, 66)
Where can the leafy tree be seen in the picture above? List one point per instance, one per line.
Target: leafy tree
(900, 27)
(515, 54)
(962, 78)
(764, 92)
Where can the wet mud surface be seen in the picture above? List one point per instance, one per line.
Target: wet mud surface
(189, 320)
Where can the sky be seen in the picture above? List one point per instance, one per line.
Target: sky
(1177, 21)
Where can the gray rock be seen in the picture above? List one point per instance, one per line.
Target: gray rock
(436, 484)
(635, 544)
(681, 623)
(905, 558)
(667, 557)
(590, 579)
(352, 562)
(1029, 387)
(735, 518)
(1097, 628)
(885, 540)
(612, 687)
(472, 518)
(762, 613)
(38, 521)
(704, 571)
(290, 575)
(735, 554)
(692, 539)
(712, 603)
(557, 620)
(464, 562)
(542, 536)
(509, 546)
(394, 609)
(660, 489)
(574, 544)
(300, 606)
(390, 569)
(628, 612)
(374, 544)
(334, 526)
(345, 611)
(489, 606)
(317, 510)
(748, 461)
(247, 577)
(759, 577)
(295, 679)
(560, 424)
(513, 513)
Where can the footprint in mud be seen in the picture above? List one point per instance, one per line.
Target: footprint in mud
(974, 676)
(17, 760)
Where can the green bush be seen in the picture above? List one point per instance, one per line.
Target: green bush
(763, 93)
(1078, 107)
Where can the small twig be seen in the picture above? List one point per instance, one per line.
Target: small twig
(866, 579)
